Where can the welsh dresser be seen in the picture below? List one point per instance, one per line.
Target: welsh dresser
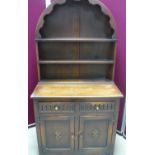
(76, 101)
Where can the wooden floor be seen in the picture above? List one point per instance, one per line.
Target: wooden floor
(120, 146)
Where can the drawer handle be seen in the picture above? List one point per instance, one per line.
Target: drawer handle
(97, 108)
(56, 108)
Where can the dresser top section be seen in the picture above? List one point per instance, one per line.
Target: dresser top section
(76, 90)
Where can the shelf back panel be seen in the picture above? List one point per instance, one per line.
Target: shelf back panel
(97, 50)
(75, 71)
(49, 71)
(75, 51)
(56, 51)
(95, 71)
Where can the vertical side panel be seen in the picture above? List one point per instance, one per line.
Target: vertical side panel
(115, 122)
(37, 121)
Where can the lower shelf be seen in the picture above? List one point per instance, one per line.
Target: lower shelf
(76, 71)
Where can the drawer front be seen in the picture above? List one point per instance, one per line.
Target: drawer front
(97, 107)
(56, 107)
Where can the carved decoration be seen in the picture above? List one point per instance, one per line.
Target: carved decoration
(95, 133)
(50, 8)
(87, 107)
(58, 107)
(58, 135)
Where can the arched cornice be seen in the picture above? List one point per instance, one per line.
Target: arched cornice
(49, 9)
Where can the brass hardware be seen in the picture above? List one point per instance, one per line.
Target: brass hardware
(97, 107)
(72, 136)
(56, 108)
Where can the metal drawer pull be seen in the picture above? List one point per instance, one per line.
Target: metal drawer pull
(97, 108)
(56, 108)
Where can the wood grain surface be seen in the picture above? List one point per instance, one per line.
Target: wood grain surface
(77, 89)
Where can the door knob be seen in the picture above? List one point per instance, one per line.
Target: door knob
(73, 137)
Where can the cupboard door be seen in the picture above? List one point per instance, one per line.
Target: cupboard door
(96, 132)
(57, 133)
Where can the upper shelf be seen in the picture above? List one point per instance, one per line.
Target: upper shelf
(76, 62)
(76, 39)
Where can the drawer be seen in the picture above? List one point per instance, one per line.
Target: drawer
(56, 107)
(97, 106)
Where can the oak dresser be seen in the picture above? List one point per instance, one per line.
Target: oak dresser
(76, 100)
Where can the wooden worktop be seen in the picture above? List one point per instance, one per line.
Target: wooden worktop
(76, 90)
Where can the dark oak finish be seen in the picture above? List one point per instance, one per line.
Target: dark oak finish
(76, 102)
(57, 133)
(95, 132)
(76, 62)
(76, 51)
(76, 39)
(76, 127)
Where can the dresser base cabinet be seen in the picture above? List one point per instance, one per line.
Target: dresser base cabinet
(76, 128)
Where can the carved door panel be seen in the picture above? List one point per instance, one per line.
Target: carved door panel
(57, 133)
(95, 132)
